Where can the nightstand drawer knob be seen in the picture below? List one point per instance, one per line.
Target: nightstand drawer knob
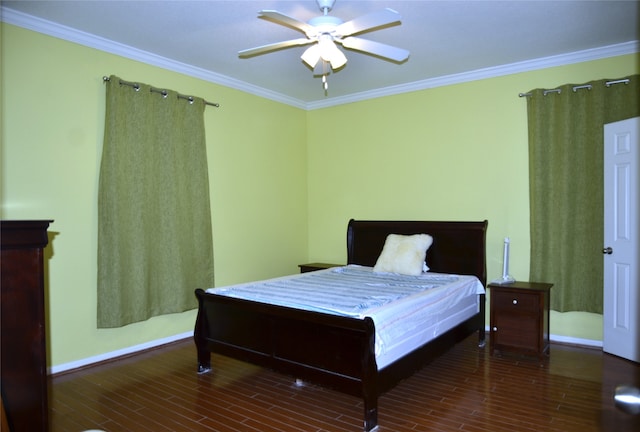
(515, 301)
(495, 328)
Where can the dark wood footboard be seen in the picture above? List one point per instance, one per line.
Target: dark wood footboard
(333, 351)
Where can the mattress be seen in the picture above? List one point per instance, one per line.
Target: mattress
(408, 311)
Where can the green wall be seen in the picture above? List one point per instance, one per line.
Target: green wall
(53, 102)
(450, 153)
(284, 181)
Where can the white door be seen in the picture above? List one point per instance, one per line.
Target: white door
(621, 237)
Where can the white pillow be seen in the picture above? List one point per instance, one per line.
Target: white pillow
(403, 254)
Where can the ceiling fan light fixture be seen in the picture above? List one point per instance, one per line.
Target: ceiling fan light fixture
(338, 59)
(331, 53)
(311, 56)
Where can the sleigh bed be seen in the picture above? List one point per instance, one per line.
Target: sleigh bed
(339, 351)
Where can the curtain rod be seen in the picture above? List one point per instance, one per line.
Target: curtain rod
(576, 88)
(163, 92)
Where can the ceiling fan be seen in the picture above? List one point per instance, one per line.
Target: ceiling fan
(325, 31)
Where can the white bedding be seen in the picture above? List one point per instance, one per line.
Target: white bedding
(408, 311)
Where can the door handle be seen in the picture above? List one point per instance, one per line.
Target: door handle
(607, 251)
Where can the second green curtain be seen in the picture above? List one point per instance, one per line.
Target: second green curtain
(566, 186)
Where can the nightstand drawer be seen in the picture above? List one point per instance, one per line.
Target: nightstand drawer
(523, 302)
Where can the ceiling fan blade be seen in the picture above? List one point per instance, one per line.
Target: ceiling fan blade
(319, 56)
(273, 47)
(370, 21)
(280, 18)
(375, 48)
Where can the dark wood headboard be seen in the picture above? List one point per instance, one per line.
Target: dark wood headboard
(458, 247)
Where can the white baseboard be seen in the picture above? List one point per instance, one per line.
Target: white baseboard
(158, 342)
(118, 353)
(576, 341)
(568, 340)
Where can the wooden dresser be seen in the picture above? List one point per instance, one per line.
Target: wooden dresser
(23, 376)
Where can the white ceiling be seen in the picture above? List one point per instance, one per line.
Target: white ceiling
(446, 38)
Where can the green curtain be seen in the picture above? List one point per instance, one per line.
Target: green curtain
(154, 218)
(566, 182)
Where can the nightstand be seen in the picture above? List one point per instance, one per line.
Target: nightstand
(519, 320)
(304, 268)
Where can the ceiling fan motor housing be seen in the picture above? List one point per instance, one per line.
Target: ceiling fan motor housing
(324, 24)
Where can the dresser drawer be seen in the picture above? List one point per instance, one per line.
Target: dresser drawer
(516, 301)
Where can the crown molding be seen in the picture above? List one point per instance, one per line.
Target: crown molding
(631, 47)
(39, 25)
(70, 34)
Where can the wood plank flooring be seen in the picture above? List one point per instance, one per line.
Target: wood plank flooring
(464, 390)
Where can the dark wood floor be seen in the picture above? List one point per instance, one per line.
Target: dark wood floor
(464, 390)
